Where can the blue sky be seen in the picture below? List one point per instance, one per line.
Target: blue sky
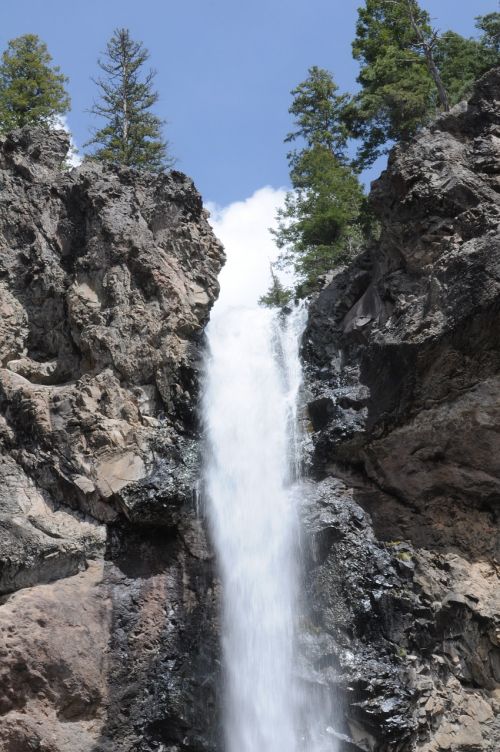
(225, 70)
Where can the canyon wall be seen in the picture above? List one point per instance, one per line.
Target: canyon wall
(109, 602)
(403, 359)
(108, 608)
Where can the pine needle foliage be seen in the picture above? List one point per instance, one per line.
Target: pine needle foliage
(132, 134)
(462, 60)
(409, 71)
(317, 109)
(319, 224)
(489, 25)
(278, 295)
(32, 90)
(397, 90)
(318, 227)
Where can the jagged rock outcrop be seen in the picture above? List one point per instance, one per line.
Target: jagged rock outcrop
(107, 277)
(403, 352)
(108, 599)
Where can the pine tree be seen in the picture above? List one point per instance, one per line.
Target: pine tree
(319, 223)
(397, 91)
(409, 71)
(461, 62)
(318, 108)
(31, 88)
(132, 134)
(278, 295)
(490, 38)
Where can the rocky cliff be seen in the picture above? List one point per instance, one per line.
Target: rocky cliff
(108, 599)
(107, 611)
(403, 353)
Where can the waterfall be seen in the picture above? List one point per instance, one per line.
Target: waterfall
(253, 378)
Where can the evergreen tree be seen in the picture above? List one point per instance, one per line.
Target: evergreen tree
(131, 134)
(278, 295)
(409, 72)
(490, 38)
(31, 88)
(462, 61)
(318, 108)
(397, 90)
(319, 223)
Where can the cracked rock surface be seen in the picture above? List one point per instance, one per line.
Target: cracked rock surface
(403, 358)
(108, 620)
(109, 602)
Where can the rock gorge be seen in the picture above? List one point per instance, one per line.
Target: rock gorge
(110, 601)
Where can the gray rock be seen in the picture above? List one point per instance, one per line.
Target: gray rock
(403, 354)
(107, 277)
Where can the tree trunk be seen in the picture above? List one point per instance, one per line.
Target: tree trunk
(429, 59)
(442, 93)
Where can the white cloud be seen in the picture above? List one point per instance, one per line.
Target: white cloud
(243, 228)
(74, 158)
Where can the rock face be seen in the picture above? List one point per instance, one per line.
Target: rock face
(108, 598)
(403, 352)
(108, 617)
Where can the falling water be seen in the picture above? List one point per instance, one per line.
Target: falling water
(250, 411)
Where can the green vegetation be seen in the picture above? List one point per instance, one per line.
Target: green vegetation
(318, 224)
(490, 26)
(461, 61)
(131, 134)
(32, 92)
(278, 295)
(408, 74)
(31, 88)
(397, 89)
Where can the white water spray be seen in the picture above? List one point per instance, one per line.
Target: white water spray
(250, 402)
(250, 409)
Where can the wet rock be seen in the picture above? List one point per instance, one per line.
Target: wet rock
(357, 597)
(403, 347)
